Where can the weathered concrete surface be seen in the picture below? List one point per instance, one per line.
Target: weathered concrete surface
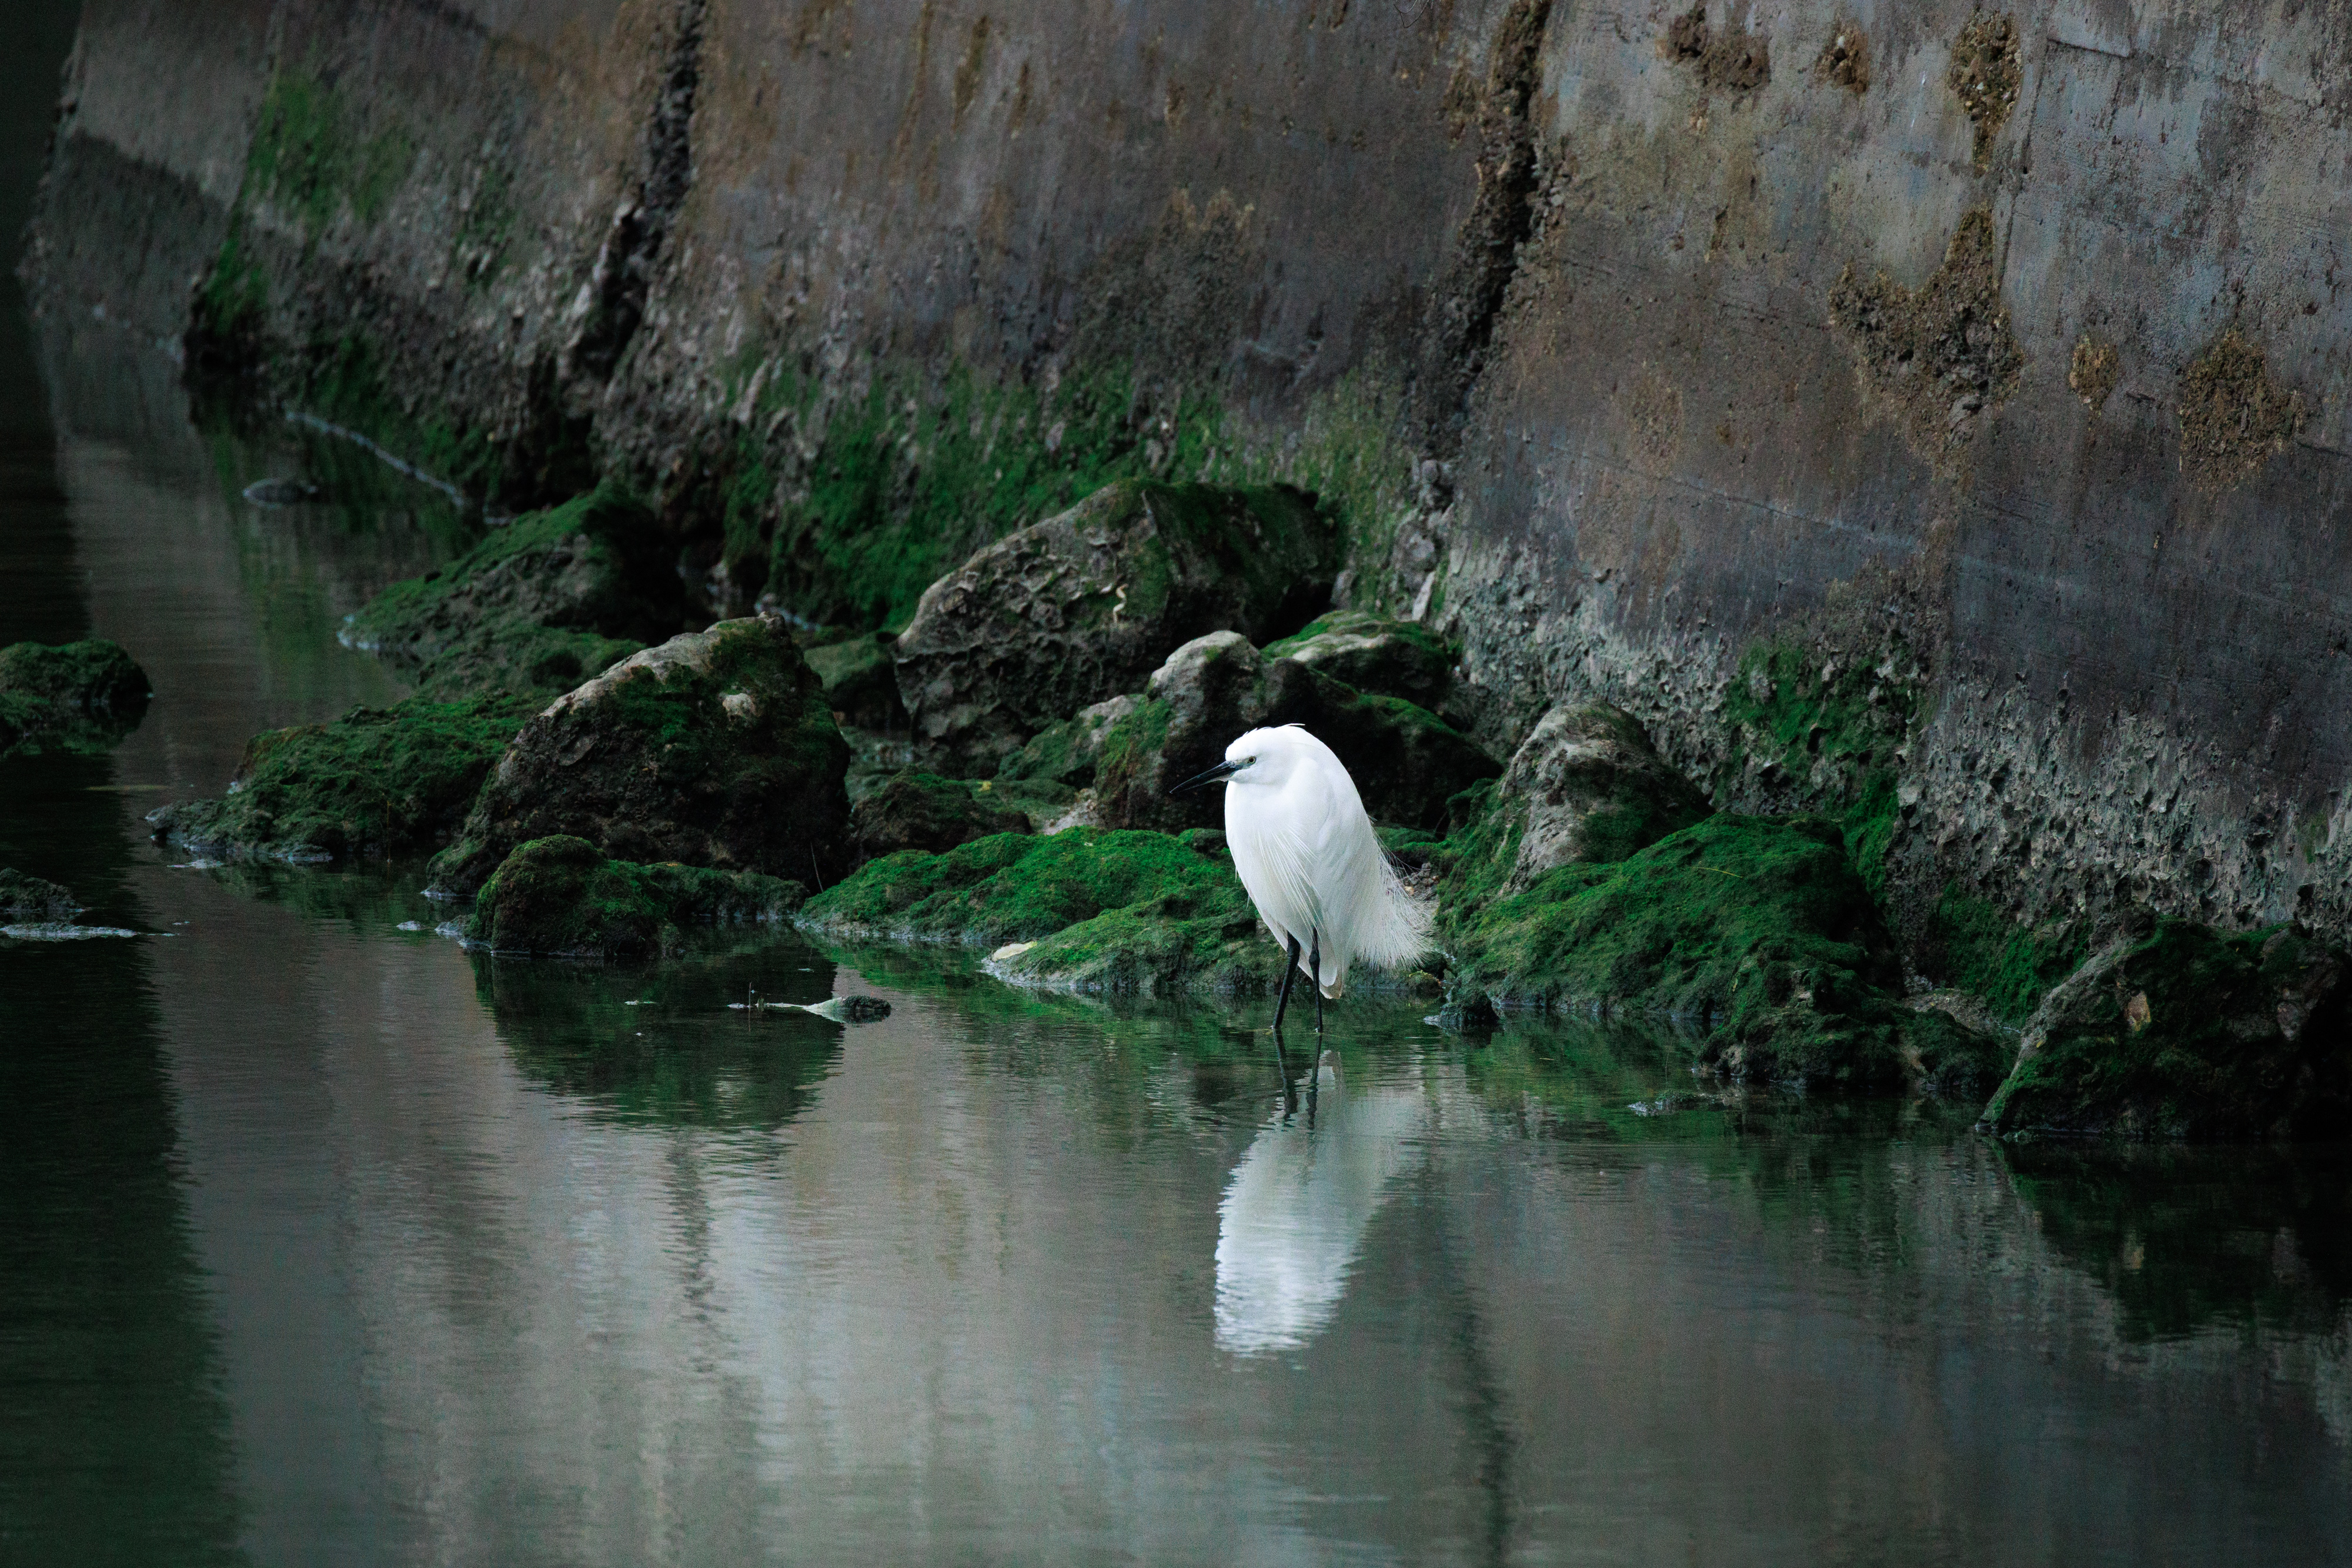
(1576, 308)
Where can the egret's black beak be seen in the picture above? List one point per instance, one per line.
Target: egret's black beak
(1217, 775)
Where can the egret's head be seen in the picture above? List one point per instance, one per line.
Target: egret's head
(1263, 757)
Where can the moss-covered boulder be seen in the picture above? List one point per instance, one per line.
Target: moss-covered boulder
(1083, 606)
(1405, 760)
(541, 605)
(1374, 653)
(1586, 787)
(1082, 910)
(860, 681)
(70, 696)
(2185, 1032)
(714, 748)
(563, 896)
(375, 783)
(1755, 932)
(924, 812)
(30, 900)
(1067, 752)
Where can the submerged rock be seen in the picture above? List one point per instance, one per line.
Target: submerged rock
(1586, 786)
(1083, 606)
(563, 896)
(539, 606)
(1405, 760)
(924, 812)
(2190, 1033)
(30, 900)
(714, 748)
(861, 682)
(374, 782)
(79, 697)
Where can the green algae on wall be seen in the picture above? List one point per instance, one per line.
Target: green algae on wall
(311, 158)
(1828, 729)
(845, 510)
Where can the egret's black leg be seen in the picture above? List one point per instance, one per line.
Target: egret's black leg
(1314, 976)
(1282, 997)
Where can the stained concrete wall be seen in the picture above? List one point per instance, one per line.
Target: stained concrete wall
(1680, 329)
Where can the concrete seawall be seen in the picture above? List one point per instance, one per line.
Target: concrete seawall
(2003, 355)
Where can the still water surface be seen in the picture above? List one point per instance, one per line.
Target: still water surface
(324, 1241)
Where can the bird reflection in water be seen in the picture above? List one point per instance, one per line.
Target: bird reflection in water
(1295, 1214)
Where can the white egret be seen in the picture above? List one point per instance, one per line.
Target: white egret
(1310, 862)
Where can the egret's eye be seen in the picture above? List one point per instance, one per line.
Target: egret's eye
(1249, 761)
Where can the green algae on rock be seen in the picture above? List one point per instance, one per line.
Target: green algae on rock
(2185, 1032)
(32, 899)
(1081, 607)
(1066, 753)
(1106, 911)
(374, 782)
(1757, 931)
(1405, 760)
(547, 601)
(714, 748)
(1586, 786)
(1374, 653)
(80, 697)
(924, 812)
(563, 896)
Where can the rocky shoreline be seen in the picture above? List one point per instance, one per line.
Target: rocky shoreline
(588, 787)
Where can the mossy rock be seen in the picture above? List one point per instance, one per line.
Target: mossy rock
(1107, 911)
(541, 605)
(924, 812)
(1587, 788)
(375, 783)
(1406, 761)
(2185, 1032)
(860, 681)
(1755, 932)
(1374, 653)
(1083, 606)
(77, 697)
(563, 896)
(1067, 753)
(29, 900)
(714, 748)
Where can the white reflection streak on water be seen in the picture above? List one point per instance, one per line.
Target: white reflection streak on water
(1295, 1214)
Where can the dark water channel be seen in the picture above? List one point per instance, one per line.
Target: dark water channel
(322, 1241)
